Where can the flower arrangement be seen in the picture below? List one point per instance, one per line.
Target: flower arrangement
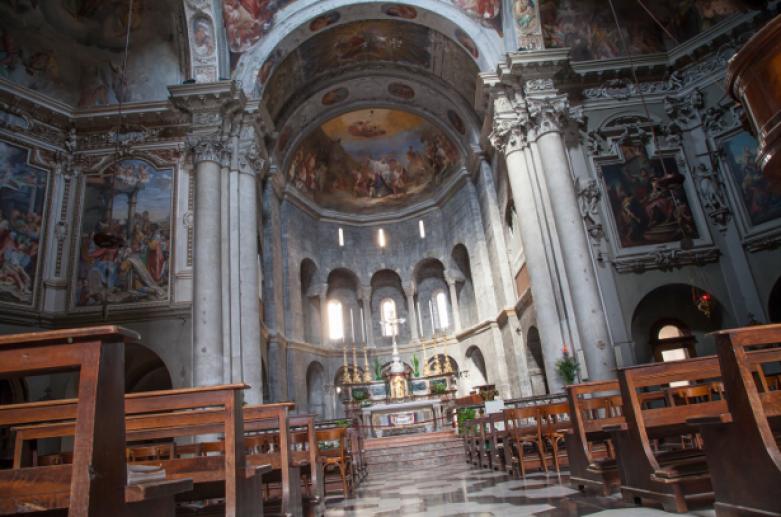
(377, 370)
(567, 366)
(415, 366)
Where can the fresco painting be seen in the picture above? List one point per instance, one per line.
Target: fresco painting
(131, 204)
(401, 91)
(684, 19)
(334, 96)
(487, 12)
(400, 11)
(761, 202)
(324, 20)
(72, 49)
(526, 17)
(648, 199)
(247, 21)
(22, 195)
(468, 43)
(372, 158)
(588, 28)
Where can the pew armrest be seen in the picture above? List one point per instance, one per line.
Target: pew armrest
(156, 489)
(723, 418)
(615, 427)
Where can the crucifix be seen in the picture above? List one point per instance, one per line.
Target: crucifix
(396, 366)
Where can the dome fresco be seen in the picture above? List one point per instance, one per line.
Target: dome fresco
(372, 159)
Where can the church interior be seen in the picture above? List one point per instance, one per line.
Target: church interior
(369, 258)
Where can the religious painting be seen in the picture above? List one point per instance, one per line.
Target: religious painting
(247, 21)
(400, 11)
(334, 96)
(761, 202)
(468, 43)
(589, 29)
(684, 19)
(648, 199)
(401, 91)
(70, 49)
(268, 65)
(203, 36)
(526, 17)
(324, 20)
(125, 242)
(22, 195)
(372, 158)
(487, 12)
(456, 121)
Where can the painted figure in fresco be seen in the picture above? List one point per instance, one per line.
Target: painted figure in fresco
(525, 15)
(761, 202)
(202, 37)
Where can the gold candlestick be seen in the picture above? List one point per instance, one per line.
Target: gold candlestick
(345, 370)
(367, 376)
(448, 366)
(438, 362)
(356, 376)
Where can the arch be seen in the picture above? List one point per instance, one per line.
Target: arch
(315, 388)
(674, 303)
(431, 361)
(144, 370)
(478, 376)
(310, 303)
(535, 363)
(386, 285)
(465, 290)
(774, 303)
(429, 277)
(388, 317)
(343, 287)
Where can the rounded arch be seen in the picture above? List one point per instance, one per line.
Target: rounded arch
(315, 388)
(429, 277)
(676, 302)
(386, 285)
(774, 303)
(478, 375)
(310, 302)
(465, 289)
(144, 370)
(535, 362)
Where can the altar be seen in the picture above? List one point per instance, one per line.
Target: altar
(394, 418)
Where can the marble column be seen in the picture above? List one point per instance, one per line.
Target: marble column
(324, 315)
(412, 316)
(509, 137)
(366, 300)
(207, 288)
(549, 116)
(451, 284)
(250, 167)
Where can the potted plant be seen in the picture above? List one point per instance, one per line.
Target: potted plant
(464, 414)
(567, 367)
(415, 366)
(378, 390)
(438, 386)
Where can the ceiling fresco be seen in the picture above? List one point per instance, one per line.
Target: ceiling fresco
(368, 43)
(72, 49)
(588, 27)
(372, 159)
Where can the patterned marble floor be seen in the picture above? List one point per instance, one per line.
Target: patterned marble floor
(461, 490)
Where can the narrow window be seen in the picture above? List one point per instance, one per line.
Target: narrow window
(381, 238)
(441, 306)
(341, 237)
(422, 229)
(389, 325)
(335, 321)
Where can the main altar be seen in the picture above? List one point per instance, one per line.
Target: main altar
(401, 399)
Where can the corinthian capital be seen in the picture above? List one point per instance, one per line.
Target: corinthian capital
(250, 161)
(552, 113)
(510, 119)
(211, 148)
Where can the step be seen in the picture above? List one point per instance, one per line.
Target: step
(396, 441)
(412, 456)
(419, 446)
(436, 461)
(401, 452)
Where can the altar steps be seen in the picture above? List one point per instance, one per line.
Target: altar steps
(398, 453)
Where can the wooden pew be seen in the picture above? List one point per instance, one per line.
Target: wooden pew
(742, 452)
(171, 414)
(593, 406)
(483, 442)
(267, 419)
(673, 477)
(95, 484)
(498, 437)
(522, 426)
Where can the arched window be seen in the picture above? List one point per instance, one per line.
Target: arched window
(440, 304)
(670, 331)
(335, 320)
(388, 312)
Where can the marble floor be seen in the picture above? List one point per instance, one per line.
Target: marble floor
(462, 490)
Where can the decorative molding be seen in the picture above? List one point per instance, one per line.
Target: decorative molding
(589, 195)
(251, 162)
(552, 113)
(209, 148)
(762, 243)
(713, 195)
(666, 259)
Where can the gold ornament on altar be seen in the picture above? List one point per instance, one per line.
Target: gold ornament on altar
(367, 376)
(345, 369)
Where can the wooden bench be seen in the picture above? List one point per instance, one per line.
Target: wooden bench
(741, 444)
(593, 407)
(95, 483)
(522, 426)
(672, 477)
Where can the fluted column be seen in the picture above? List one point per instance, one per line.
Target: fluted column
(549, 115)
(412, 316)
(366, 300)
(207, 288)
(509, 137)
(324, 315)
(451, 284)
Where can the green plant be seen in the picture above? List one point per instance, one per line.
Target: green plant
(377, 370)
(415, 366)
(567, 366)
(464, 414)
(360, 395)
(438, 388)
(342, 422)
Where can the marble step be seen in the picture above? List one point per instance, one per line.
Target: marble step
(432, 448)
(408, 456)
(411, 439)
(416, 464)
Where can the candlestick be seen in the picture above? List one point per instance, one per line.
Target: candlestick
(363, 329)
(431, 316)
(356, 376)
(420, 321)
(423, 354)
(345, 371)
(367, 376)
(448, 366)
